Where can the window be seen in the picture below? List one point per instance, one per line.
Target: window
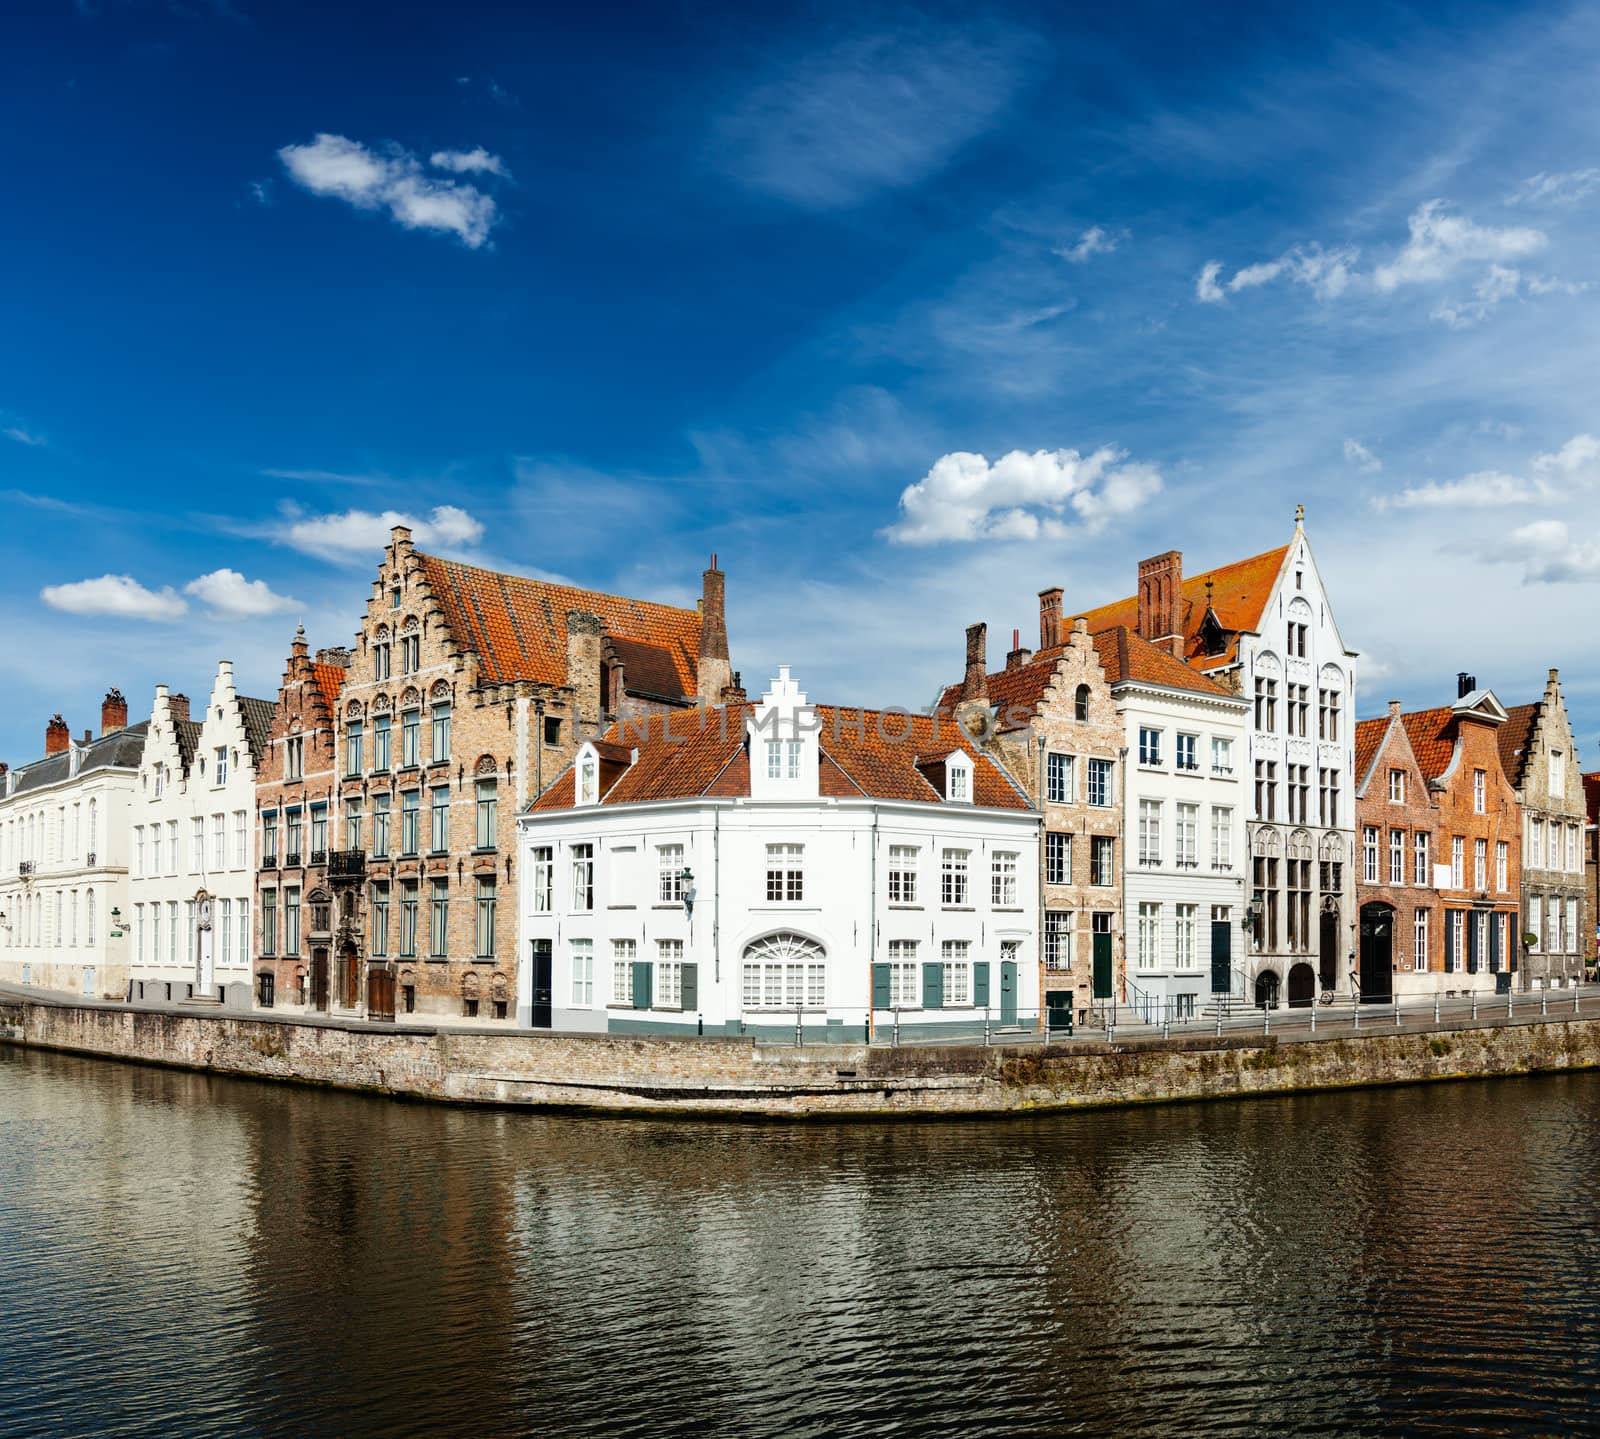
(785, 875)
(1080, 703)
(953, 877)
(623, 954)
(1328, 798)
(1102, 859)
(1480, 864)
(380, 920)
(583, 877)
(1058, 786)
(161, 780)
(588, 780)
(1099, 782)
(785, 971)
(352, 747)
(394, 598)
(1369, 854)
(380, 744)
(408, 918)
(352, 824)
(1572, 847)
(219, 841)
(1572, 923)
(1185, 747)
(1328, 714)
(410, 653)
(294, 757)
(439, 747)
(1297, 634)
(1458, 865)
(486, 830)
(155, 932)
(669, 872)
(439, 918)
(197, 840)
(1455, 957)
(224, 930)
(1397, 786)
(543, 879)
(1552, 915)
(1003, 879)
(1187, 837)
(269, 921)
(1149, 831)
(1149, 746)
(410, 732)
(1536, 843)
(410, 821)
(902, 874)
(1057, 939)
(783, 758)
(1266, 789)
(241, 839)
(1186, 954)
(1419, 942)
(1535, 928)
(1299, 793)
(138, 849)
(552, 730)
(484, 916)
(1558, 772)
(219, 770)
(1421, 869)
(155, 849)
(1221, 756)
(1397, 856)
(582, 973)
(1299, 871)
(439, 814)
(1480, 791)
(1057, 857)
(381, 663)
(1299, 707)
(1149, 936)
(1267, 705)
(1221, 836)
(291, 920)
(669, 974)
(957, 977)
(319, 832)
(904, 988)
(380, 825)
(960, 786)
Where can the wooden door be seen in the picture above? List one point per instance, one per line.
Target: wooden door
(380, 992)
(319, 980)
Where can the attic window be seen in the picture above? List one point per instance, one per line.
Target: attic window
(588, 780)
(1299, 579)
(1080, 703)
(394, 598)
(958, 780)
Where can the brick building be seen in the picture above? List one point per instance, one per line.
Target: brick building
(1591, 867)
(1540, 758)
(295, 795)
(1440, 868)
(466, 692)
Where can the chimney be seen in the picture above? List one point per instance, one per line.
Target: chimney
(975, 685)
(178, 707)
(584, 643)
(1394, 707)
(714, 673)
(88, 736)
(1161, 600)
(1049, 618)
(733, 692)
(113, 712)
(1465, 684)
(57, 737)
(1017, 656)
(335, 655)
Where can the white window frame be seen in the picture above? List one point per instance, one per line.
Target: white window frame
(581, 959)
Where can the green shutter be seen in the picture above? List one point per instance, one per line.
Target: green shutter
(1495, 921)
(691, 987)
(1472, 942)
(880, 986)
(980, 984)
(1449, 941)
(1103, 979)
(932, 985)
(643, 987)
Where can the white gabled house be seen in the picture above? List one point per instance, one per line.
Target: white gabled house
(748, 868)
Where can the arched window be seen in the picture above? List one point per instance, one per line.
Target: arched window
(1080, 703)
(785, 971)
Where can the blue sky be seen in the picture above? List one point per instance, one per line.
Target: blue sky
(906, 313)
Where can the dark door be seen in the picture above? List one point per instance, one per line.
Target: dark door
(1008, 991)
(539, 1018)
(349, 979)
(1102, 966)
(1267, 989)
(380, 992)
(1328, 954)
(1221, 956)
(1302, 986)
(1058, 1010)
(1377, 954)
(319, 980)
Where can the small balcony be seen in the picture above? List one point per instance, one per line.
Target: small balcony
(346, 864)
(269, 861)
(319, 856)
(25, 868)
(291, 860)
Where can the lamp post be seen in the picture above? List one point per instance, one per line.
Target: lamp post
(690, 894)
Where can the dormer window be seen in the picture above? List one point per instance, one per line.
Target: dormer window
(783, 759)
(958, 779)
(588, 778)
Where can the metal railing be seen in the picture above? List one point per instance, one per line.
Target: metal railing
(345, 863)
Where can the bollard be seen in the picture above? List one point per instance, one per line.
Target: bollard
(1219, 1023)
(1266, 1020)
(1355, 1010)
(1574, 999)
(894, 1037)
(1313, 1016)
(1397, 1014)
(1474, 1005)
(1544, 1001)
(986, 1024)
(1436, 1006)
(1511, 999)
(799, 1027)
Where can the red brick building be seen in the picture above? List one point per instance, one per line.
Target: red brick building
(1439, 856)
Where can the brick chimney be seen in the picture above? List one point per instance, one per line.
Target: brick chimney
(1049, 617)
(584, 644)
(178, 707)
(335, 655)
(113, 712)
(88, 736)
(57, 737)
(1161, 601)
(1394, 707)
(714, 673)
(975, 684)
(733, 692)
(1017, 656)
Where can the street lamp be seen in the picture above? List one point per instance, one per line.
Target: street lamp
(686, 881)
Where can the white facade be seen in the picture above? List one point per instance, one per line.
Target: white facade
(192, 851)
(63, 868)
(747, 913)
(1186, 852)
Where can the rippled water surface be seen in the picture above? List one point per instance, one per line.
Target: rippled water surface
(189, 1256)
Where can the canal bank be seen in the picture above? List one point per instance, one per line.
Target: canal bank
(724, 1077)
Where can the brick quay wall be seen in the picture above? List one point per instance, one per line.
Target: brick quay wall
(695, 1078)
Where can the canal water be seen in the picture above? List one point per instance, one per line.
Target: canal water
(191, 1256)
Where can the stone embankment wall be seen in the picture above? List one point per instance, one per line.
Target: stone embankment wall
(660, 1075)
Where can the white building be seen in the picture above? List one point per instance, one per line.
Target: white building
(64, 859)
(741, 869)
(192, 826)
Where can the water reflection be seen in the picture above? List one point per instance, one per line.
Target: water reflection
(189, 1256)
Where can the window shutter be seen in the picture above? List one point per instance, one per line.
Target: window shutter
(690, 996)
(932, 985)
(1472, 943)
(643, 988)
(1449, 942)
(980, 984)
(1495, 922)
(880, 986)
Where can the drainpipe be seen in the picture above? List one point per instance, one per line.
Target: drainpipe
(1122, 763)
(872, 922)
(1044, 1020)
(538, 748)
(716, 900)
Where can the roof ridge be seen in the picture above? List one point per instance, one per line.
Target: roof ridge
(556, 584)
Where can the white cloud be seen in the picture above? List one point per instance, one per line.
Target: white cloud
(14, 428)
(1093, 241)
(1565, 187)
(393, 181)
(1501, 283)
(1487, 489)
(1361, 457)
(1020, 496)
(871, 113)
(1548, 554)
(1206, 289)
(1576, 462)
(363, 533)
(229, 593)
(476, 161)
(118, 596)
(1440, 242)
(1326, 273)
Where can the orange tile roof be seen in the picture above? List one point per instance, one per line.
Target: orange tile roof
(696, 752)
(1591, 795)
(1432, 733)
(1369, 740)
(330, 680)
(1239, 594)
(518, 626)
(1513, 740)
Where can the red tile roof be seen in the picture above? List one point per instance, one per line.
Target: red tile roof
(696, 752)
(1432, 733)
(330, 680)
(1239, 594)
(1513, 740)
(1369, 740)
(518, 626)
